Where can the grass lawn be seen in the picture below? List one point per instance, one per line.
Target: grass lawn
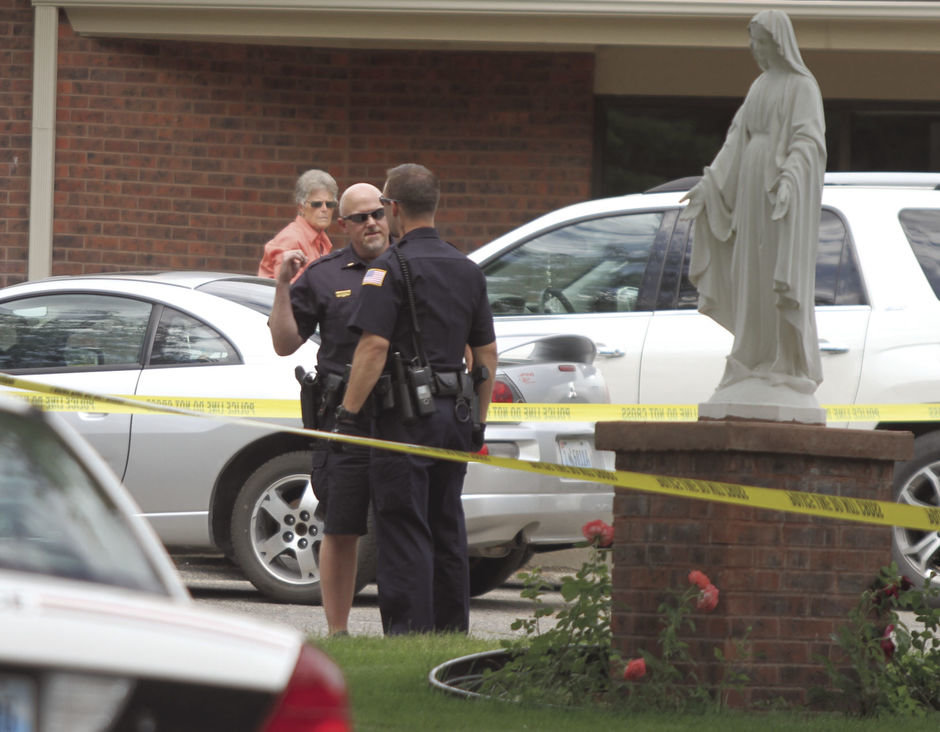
(389, 690)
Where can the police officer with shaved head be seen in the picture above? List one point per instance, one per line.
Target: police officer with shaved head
(421, 304)
(325, 294)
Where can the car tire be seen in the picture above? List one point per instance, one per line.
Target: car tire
(917, 481)
(276, 537)
(488, 573)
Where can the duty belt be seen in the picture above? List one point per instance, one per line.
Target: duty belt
(451, 383)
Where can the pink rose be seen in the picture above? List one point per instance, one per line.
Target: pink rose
(598, 533)
(887, 645)
(699, 578)
(635, 670)
(708, 599)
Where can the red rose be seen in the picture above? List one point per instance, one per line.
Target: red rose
(635, 670)
(699, 578)
(887, 645)
(598, 533)
(708, 599)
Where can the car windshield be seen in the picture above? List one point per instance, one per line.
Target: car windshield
(54, 517)
(591, 266)
(255, 293)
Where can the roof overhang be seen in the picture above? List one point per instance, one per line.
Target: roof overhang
(575, 25)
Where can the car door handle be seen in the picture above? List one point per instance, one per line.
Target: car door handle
(605, 351)
(827, 347)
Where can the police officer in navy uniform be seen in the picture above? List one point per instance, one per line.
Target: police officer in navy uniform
(326, 294)
(422, 570)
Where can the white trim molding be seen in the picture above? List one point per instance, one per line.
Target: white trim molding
(851, 25)
(42, 155)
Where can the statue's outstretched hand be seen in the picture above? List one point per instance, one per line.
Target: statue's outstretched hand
(781, 200)
(696, 199)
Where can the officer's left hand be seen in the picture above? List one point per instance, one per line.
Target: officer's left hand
(346, 423)
(477, 437)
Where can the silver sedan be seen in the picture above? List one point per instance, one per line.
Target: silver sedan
(245, 490)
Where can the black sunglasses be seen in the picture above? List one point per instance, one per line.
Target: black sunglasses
(387, 201)
(361, 218)
(318, 204)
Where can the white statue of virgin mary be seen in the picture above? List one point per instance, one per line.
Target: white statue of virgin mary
(756, 234)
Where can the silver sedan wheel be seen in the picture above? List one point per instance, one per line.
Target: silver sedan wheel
(285, 534)
(275, 535)
(917, 482)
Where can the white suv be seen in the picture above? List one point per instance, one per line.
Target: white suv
(616, 270)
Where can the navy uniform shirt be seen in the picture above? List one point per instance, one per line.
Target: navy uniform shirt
(450, 300)
(325, 294)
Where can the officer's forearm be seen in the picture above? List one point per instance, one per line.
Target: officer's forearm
(486, 356)
(284, 335)
(367, 365)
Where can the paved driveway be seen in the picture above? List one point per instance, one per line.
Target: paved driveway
(214, 581)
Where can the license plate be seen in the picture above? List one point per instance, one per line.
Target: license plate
(576, 453)
(17, 704)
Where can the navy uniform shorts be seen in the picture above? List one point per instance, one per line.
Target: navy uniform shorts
(341, 485)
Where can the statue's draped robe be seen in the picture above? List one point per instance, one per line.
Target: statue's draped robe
(755, 275)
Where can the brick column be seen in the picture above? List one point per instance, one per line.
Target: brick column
(791, 578)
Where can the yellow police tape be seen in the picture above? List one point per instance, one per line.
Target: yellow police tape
(498, 412)
(814, 504)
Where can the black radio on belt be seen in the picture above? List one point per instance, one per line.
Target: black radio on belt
(419, 379)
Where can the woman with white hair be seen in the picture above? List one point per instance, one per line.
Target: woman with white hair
(756, 229)
(315, 194)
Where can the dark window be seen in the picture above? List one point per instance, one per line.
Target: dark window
(648, 141)
(922, 227)
(883, 136)
(645, 141)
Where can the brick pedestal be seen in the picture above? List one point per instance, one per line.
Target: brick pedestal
(791, 578)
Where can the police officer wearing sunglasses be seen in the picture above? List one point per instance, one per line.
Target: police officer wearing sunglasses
(421, 303)
(325, 294)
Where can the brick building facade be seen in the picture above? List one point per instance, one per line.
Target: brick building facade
(144, 134)
(183, 155)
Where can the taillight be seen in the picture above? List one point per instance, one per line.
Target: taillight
(503, 392)
(315, 699)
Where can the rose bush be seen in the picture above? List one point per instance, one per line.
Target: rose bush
(574, 662)
(887, 665)
(570, 662)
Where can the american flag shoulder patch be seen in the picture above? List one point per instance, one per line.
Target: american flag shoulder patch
(374, 277)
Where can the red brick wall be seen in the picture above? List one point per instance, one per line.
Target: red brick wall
(791, 578)
(16, 87)
(184, 155)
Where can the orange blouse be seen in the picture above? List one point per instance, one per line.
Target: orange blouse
(298, 234)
